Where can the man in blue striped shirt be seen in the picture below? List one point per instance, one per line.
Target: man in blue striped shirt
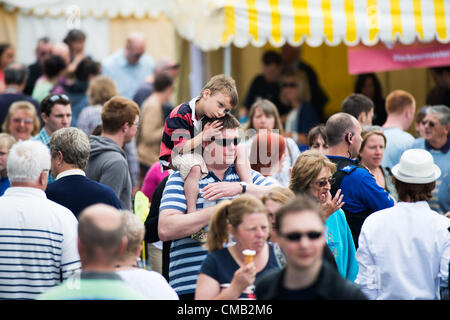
(38, 237)
(222, 182)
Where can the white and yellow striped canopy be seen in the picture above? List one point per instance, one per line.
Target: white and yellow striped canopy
(219, 23)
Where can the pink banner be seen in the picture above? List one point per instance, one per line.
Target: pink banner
(362, 59)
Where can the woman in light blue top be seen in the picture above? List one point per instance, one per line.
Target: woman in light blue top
(312, 174)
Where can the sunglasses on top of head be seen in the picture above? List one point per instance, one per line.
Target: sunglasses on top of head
(226, 142)
(57, 97)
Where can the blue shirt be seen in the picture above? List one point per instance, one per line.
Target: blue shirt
(397, 141)
(362, 193)
(128, 77)
(4, 184)
(43, 137)
(187, 254)
(221, 266)
(340, 241)
(441, 193)
(88, 192)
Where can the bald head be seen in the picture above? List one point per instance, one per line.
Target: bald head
(61, 49)
(101, 233)
(168, 66)
(134, 47)
(103, 216)
(338, 126)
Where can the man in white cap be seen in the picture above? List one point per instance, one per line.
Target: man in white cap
(404, 250)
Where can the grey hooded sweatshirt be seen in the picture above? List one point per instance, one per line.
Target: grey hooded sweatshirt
(108, 165)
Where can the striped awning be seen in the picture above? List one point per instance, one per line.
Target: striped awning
(219, 23)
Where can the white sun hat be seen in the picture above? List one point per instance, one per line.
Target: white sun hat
(416, 166)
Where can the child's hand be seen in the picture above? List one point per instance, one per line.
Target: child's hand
(211, 130)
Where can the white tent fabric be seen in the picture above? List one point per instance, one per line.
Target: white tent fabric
(92, 8)
(31, 28)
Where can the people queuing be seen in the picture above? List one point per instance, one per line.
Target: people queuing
(338, 221)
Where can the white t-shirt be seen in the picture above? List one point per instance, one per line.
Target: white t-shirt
(150, 283)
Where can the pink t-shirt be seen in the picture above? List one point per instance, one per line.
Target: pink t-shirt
(153, 177)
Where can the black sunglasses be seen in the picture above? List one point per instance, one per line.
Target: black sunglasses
(296, 236)
(288, 84)
(57, 97)
(430, 123)
(226, 142)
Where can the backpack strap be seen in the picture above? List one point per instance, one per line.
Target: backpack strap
(344, 167)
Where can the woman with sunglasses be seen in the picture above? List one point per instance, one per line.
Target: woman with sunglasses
(302, 117)
(371, 153)
(264, 115)
(225, 273)
(312, 174)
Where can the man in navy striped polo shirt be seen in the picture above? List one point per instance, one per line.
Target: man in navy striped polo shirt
(222, 182)
(38, 237)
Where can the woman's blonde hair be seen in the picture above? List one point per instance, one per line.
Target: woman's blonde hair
(367, 134)
(278, 194)
(306, 168)
(134, 231)
(100, 90)
(231, 212)
(7, 140)
(27, 107)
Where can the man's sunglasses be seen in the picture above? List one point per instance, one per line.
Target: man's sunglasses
(226, 142)
(296, 236)
(430, 123)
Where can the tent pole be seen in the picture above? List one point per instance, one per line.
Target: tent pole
(196, 74)
(227, 61)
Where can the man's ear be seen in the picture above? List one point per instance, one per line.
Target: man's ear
(43, 179)
(125, 127)
(362, 117)
(123, 246)
(44, 117)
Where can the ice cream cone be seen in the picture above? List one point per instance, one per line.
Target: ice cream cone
(249, 255)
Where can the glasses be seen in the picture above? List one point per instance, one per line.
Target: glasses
(57, 97)
(226, 142)
(430, 123)
(297, 236)
(20, 120)
(288, 85)
(323, 183)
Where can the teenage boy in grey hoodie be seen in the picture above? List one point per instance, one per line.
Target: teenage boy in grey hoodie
(107, 161)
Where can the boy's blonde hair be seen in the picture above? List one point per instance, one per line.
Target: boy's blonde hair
(224, 84)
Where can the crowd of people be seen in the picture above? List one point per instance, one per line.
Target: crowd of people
(270, 201)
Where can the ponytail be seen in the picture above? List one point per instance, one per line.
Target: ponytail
(218, 227)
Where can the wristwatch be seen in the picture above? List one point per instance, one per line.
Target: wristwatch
(244, 186)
